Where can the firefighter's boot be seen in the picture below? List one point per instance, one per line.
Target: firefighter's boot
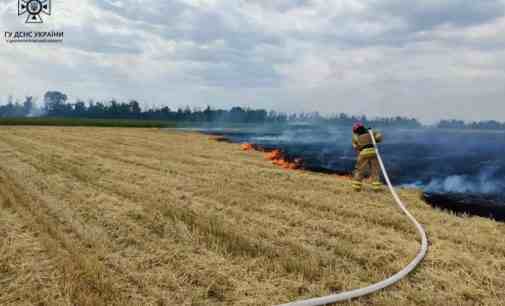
(377, 186)
(357, 185)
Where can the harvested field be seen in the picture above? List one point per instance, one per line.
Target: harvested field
(103, 216)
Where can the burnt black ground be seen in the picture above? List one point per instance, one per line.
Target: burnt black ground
(477, 205)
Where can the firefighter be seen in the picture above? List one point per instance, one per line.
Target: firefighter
(367, 157)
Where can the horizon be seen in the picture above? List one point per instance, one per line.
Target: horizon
(39, 103)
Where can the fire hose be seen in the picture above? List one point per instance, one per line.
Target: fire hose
(348, 295)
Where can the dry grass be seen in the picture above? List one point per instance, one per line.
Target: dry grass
(92, 216)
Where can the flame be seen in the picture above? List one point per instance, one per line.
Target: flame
(247, 146)
(278, 158)
(274, 155)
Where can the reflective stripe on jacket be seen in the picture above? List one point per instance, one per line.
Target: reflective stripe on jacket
(368, 152)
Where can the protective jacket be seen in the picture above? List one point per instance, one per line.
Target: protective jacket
(363, 143)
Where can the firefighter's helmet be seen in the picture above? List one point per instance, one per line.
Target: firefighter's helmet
(357, 126)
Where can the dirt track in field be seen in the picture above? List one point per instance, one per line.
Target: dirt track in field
(99, 216)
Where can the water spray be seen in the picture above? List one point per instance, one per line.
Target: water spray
(348, 295)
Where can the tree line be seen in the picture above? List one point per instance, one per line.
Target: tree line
(480, 125)
(56, 104)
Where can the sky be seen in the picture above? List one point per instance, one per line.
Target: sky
(429, 59)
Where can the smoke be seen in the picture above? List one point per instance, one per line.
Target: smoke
(459, 170)
(486, 182)
(435, 160)
(35, 112)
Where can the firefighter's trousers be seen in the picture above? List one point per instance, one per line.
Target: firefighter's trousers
(367, 160)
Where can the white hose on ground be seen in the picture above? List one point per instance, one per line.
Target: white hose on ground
(346, 296)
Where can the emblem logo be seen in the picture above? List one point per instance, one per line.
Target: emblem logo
(33, 9)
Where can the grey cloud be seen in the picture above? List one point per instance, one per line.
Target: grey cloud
(211, 26)
(378, 56)
(282, 6)
(425, 15)
(150, 12)
(223, 66)
(398, 23)
(222, 41)
(178, 21)
(243, 73)
(90, 39)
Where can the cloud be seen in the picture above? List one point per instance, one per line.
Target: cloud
(428, 14)
(425, 58)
